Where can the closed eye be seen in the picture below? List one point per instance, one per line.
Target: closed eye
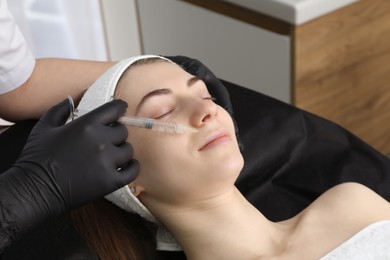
(164, 115)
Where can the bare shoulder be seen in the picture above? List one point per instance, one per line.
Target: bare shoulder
(353, 190)
(354, 199)
(337, 215)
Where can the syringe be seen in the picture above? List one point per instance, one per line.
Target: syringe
(147, 123)
(157, 125)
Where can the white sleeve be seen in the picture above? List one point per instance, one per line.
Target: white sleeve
(16, 59)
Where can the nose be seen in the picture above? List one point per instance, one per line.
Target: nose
(204, 110)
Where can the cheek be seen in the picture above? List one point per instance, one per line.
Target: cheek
(164, 169)
(147, 144)
(154, 152)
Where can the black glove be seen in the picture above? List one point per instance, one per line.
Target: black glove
(65, 166)
(214, 85)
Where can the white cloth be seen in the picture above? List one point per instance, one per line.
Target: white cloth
(101, 92)
(16, 59)
(371, 243)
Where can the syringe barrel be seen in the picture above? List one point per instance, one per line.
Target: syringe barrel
(147, 123)
(152, 124)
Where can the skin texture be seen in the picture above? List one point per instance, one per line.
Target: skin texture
(187, 182)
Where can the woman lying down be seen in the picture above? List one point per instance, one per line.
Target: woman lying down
(186, 185)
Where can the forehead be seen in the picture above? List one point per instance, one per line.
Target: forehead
(141, 79)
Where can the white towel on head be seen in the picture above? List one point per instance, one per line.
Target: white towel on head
(101, 92)
(103, 89)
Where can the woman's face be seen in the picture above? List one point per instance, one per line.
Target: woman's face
(177, 168)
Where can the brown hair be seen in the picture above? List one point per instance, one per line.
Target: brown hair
(114, 234)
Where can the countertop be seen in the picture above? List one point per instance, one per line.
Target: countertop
(293, 11)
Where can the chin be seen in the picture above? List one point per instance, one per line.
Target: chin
(239, 164)
(233, 164)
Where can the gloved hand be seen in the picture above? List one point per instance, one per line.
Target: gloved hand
(65, 166)
(214, 85)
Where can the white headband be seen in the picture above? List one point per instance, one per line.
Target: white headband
(103, 89)
(101, 92)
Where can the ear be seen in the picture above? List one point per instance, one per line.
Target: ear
(135, 188)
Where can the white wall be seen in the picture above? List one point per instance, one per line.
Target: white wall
(121, 25)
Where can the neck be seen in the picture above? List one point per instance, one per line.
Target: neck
(226, 227)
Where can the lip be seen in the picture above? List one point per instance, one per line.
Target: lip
(214, 139)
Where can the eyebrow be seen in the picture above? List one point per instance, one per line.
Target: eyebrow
(163, 91)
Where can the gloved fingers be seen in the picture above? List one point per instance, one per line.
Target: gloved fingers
(116, 134)
(128, 173)
(192, 66)
(181, 60)
(57, 115)
(108, 113)
(122, 154)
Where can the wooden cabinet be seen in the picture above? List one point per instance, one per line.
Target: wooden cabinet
(341, 69)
